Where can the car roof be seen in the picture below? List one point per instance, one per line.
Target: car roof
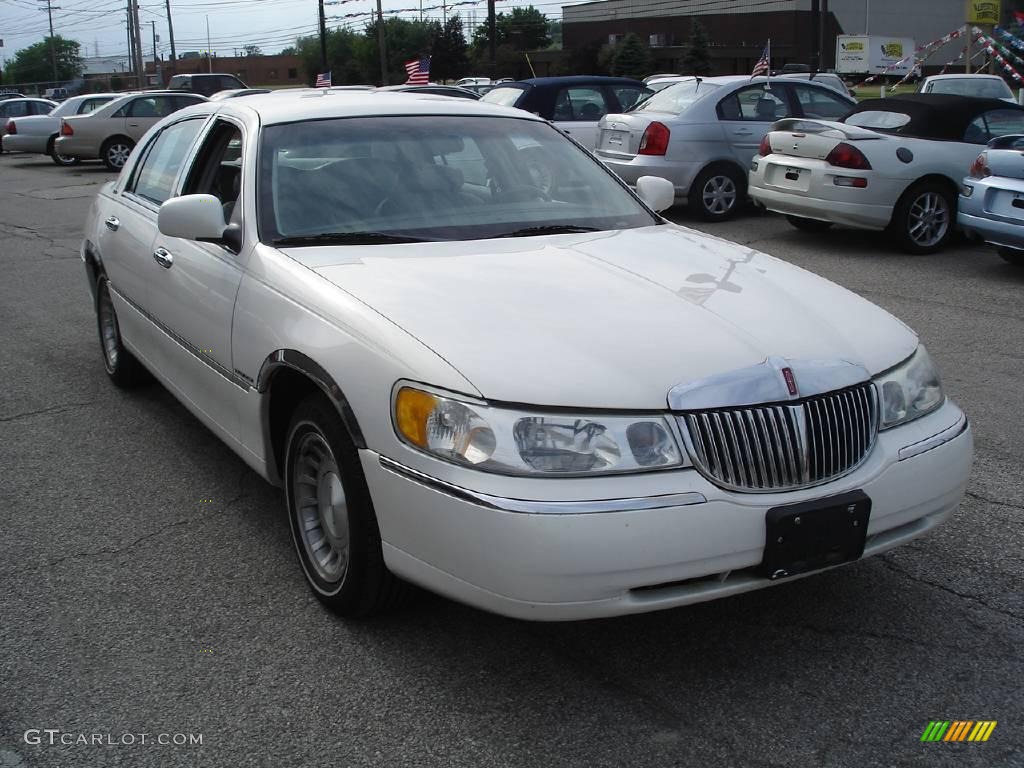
(540, 82)
(963, 75)
(934, 115)
(324, 104)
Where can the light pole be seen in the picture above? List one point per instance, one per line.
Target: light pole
(53, 45)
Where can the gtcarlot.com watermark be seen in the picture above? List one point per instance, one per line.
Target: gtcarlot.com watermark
(55, 736)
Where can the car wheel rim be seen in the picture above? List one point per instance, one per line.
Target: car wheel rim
(928, 221)
(719, 194)
(66, 159)
(110, 336)
(118, 155)
(321, 508)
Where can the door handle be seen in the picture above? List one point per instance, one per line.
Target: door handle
(112, 223)
(133, 125)
(742, 132)
(164, 258)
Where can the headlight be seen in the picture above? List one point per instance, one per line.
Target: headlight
(910, 390)
(524, 443)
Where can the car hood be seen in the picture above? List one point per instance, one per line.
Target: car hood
(610, 319)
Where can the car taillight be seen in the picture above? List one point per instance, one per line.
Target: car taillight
(844, 155)
(11, 127)
(655, 139)
(766, 146)
(65, 129)
(979, 168)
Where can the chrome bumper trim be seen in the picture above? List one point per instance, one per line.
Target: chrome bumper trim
(541, 507)
(916, 449)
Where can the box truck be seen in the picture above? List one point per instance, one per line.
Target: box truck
(874, 54)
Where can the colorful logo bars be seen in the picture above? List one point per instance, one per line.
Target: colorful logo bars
(958, 730)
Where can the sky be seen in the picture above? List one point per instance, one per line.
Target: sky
(100, 25)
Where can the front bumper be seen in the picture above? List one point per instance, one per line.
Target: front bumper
(545, 561)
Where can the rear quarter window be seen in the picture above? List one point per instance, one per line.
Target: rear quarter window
(879, 121)
(506, 97)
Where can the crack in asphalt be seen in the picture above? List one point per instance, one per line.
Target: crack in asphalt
(888, 563)
(130, 545)
(935, 302)
(986, 499)
(41, 411)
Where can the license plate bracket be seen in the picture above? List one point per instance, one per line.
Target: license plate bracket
(815, 534)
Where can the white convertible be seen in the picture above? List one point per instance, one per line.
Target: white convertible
(893, 163)
(546, 402)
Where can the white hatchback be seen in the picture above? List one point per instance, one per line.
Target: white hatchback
(545, 401)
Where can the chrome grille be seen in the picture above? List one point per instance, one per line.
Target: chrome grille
(784, 446)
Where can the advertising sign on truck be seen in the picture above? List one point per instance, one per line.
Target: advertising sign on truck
(857, 54)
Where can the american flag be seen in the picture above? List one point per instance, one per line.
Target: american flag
(418, 71)
(763, 65)
(323, 80)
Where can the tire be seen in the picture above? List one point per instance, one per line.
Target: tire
(925, 218)
(717, 193)
(114, 152)
(331, 516)
(61, 160)
(809, 225)
(1011, 256)
(121, 365)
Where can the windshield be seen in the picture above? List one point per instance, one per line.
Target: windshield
(676, 97)
(433, 178)
(986, 88)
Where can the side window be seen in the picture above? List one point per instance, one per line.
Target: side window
(41, 108)
(217, 169)
(819, 103)
(145, 107)
(754, 103)
(580, 104)
(154, 181)
(17, 109)
(122, 111)
(628, 95)
(180, 102)
(992, 124)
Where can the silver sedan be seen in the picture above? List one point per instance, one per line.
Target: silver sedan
(992, 198)
(702, 133)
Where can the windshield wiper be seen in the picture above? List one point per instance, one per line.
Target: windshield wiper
(551, 229)
(346, 238)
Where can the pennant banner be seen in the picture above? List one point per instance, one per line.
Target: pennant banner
(992, 47)
(920, 54)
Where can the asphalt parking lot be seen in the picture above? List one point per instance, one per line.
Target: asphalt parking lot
(148, 583)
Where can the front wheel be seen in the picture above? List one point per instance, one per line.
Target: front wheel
(808, 225)
(121, 365)
(716, 194)
(115, 153)
(1011, 256)
(331, 515)
(924, 218)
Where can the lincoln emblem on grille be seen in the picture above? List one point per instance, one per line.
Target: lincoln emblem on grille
(754, 429)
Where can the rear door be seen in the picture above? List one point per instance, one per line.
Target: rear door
(747, 114)
(577, 111)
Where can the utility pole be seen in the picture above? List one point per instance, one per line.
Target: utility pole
(170, 34)
(822, 25)
(156, 69)
(53, 45)
(323, 39)
(209, 53)
(492, 27)
(140, 67)
(382, 45)
(132, 42)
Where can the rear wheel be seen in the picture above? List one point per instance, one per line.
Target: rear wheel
(331, 515)
(115, 152)
(1011, 255)
(924, 217)
(121, 365)
(808, 225)
(59, 159)
(717, 192)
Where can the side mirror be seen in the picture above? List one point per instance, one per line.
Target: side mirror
(192, 217)
(659, 194)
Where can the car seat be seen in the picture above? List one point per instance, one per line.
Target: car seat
(765, 108)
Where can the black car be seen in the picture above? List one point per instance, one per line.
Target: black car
(575, 103)
(207, 85)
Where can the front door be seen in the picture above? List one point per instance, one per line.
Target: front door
(747, 115)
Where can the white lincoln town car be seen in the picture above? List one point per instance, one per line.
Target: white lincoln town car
(475, 361)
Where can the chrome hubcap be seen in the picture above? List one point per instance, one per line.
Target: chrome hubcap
(321, 509)
(719, 194)
(109, 334)
(118, 154)
(929, 219)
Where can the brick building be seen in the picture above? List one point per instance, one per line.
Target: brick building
(278, 70)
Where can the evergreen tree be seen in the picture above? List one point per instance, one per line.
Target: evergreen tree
(631, 58)
(697, 58)
(449, 59)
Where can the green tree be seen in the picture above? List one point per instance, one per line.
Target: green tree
(450, 59)
(406, 40)
(33, 64)
(345, 57)
(524, 29)
(251, 49)
(632, 58)
(697, 57)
